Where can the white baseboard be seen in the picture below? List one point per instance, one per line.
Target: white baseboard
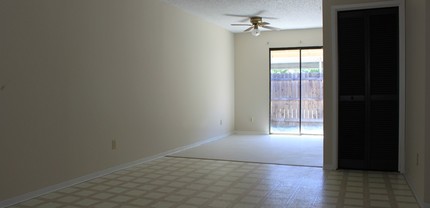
(194, 145)
(419, 199)
(65, 184)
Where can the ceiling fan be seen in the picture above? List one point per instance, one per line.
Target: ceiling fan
(255, 23)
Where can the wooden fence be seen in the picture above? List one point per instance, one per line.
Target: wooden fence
(285, 98)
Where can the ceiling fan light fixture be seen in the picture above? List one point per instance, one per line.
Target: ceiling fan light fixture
(256, 32)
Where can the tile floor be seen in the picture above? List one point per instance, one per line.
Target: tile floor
(188, 183)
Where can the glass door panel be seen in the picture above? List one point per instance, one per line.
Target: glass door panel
(285, 91)
(312, 91)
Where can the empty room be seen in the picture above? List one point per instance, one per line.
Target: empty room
(97, 98)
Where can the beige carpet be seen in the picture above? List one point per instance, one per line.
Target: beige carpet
(273, 149)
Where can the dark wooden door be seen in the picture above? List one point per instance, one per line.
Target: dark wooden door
(368, 89)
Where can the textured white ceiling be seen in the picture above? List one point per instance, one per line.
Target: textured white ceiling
(289, 14)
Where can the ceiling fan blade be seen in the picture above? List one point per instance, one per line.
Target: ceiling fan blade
(236, 15)
(249, 29)
(270, 28)
(269, 17)
(241, 25)
(264, 23)
(244, 20)
(259, 12)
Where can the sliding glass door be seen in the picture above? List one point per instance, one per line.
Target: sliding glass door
(296, 91)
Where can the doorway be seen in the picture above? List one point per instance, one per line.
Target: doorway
(296, 91)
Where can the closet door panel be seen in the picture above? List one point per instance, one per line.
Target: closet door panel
(352, 78)
(383, 52)
(351, 54)
(383, 140)
(351, 134)
(383, 69)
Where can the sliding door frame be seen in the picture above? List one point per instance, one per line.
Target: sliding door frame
(300, 84)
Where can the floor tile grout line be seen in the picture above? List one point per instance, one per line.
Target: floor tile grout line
(366, 193)
(343, 188)
(391, 194)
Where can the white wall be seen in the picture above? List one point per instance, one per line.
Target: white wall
(427, 127)
(415, 94)
(252, 73)
(75, 75)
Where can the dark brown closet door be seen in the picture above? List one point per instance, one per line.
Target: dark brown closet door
(368, 89)
(352, 82)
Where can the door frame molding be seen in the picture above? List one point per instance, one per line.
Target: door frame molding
(270, 85)
(402, 72)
